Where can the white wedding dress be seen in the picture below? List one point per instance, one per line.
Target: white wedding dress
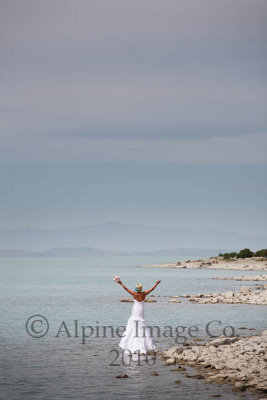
(137, 336)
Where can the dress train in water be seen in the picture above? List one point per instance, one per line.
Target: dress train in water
(137, 336)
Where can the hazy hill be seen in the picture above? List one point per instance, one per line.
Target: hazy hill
(93, 252)
(125, 237)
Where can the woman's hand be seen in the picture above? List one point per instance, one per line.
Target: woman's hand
(158, 282)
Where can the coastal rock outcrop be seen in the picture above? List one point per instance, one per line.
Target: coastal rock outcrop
(245, 295)
(174, 301)
(256, 278)
(241, 362)
(247, 264)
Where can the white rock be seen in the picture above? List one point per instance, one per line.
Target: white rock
(171, 361)
(174, 301)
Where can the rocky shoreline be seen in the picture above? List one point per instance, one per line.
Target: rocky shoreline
(241, 264)
(131, 300)
(255, 278)
(245, 295)
(241, 362)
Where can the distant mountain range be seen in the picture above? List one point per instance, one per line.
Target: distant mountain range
(120, 237)
(93, 252)
(62, 252)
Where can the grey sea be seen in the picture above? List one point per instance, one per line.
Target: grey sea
(53, 314)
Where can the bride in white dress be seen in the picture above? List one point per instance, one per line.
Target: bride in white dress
(137, 336)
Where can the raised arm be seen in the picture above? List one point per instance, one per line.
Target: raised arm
(150, 290)
(125, 287)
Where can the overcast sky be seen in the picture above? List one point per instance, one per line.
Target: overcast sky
(133, 83)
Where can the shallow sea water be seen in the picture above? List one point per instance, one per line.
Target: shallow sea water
(79, 292)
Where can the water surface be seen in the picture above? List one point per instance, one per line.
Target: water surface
(79, 292)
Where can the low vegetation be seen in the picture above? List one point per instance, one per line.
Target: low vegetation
(245, 253)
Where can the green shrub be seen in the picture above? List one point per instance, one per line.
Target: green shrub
(261, 253)
(228, 256)
(233, 254)
(245, 253)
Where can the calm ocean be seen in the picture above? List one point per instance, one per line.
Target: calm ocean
(79, 292)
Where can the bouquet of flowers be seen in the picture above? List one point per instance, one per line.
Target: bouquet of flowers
(116, 278)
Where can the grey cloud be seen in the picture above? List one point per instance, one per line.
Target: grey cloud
(143, 69)
(249, 149)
